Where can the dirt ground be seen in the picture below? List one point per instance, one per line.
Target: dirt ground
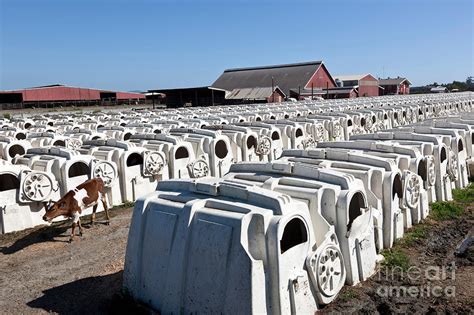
(434, 268)
(40, 272)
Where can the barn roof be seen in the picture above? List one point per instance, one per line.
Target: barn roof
(393, 81)
(258, 93)
(286, 76)
(350, 77)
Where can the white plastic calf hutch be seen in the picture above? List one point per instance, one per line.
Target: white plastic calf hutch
(407, 159)
(138, 168)
(22, 192)
(428, 145)
(270, 143)
(210, 145)
(179, 154)
(206, 246)
(333, 198)
(11, 147)
(389, 190)
(72, 169)
(243, 141)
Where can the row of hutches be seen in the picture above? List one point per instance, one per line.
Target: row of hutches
(274, 84)
(248, 208)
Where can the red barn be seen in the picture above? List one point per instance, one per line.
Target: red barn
(62, 94)
(288, 77)
(395, 85)
(365, 84)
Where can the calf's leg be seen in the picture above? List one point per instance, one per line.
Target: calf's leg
(94, 209)
(80, 227)
(103, 198)
(72, 231)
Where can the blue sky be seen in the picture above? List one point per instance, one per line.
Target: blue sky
(144, 44)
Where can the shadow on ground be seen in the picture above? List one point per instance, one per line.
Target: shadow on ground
(45, 234)
(93, 295)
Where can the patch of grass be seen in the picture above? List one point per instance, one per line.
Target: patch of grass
(465, 195)
(395, 258)
(416, 233)
(348, 295)
(444, 210)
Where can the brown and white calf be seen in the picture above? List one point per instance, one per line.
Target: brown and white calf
(74, 202)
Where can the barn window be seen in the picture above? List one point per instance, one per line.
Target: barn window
(258, 119)
(299, 133)
(95, 138)
(181, 153)
(134, 159)
(272, 117)
(275, 136)
(221, 149)
(349, 122)
(79, 169)
(27, 125)
(460, 146)
(20, 136)
(9, 182)
(15, 150)
(157, 131)
(127, 136)
(362, 122)
(294, 234)
(123, 124)
(287, 116)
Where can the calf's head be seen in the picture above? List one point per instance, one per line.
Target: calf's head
(54, 209)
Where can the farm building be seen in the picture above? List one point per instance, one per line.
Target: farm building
(288, 77)
(331, 93)
(396, 85)
(58, 94)
(256, 95)
(192, 96)
(365, 84)
(439, 89)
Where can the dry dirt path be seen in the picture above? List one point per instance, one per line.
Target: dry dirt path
(40, 272)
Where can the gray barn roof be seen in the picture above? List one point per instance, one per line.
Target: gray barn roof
(259, 93)
(393, 81)
(287, 76)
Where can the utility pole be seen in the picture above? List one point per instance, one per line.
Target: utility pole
(312, 91)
